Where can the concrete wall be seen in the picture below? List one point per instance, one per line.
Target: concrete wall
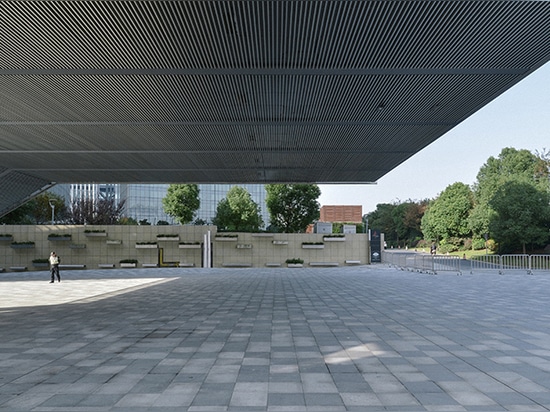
(119, 242)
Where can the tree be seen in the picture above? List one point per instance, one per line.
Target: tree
(104, 211)
(511, 165)
(382, 218)
(407, 218)
(38, 211)
(522, 216)
(127, 221)
(238, 212)
(400, 222)
(447, 215)
(19, 216)
(292, 207)
(182, 202)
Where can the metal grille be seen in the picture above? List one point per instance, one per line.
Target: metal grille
(251, 90)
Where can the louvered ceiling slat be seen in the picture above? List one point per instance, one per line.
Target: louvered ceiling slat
(266, 90)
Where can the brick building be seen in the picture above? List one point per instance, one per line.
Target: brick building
(341, 214)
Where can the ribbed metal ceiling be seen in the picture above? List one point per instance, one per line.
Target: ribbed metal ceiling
(247, 91)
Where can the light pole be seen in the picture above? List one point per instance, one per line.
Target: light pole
(52, 205)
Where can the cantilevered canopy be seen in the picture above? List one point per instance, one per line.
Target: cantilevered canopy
(246, 91)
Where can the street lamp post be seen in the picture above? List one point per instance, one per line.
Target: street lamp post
(52, 205)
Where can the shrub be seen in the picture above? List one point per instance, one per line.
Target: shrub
(447, 248)
(467, 244)
(478, 244)
(422, 243)
(294, 261)
(492, 245)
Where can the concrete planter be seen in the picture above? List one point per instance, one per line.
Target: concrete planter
(226, 239)
(95, 234)
(244, 246)
(59, 238)
(147, 246)
(127, 265)
(280, 242)
(169, 239)
(313, 246)
(295, 265)
(77, 246)
(190, 246)
(22, 245)
(6, 238)
(113, 242)
(334, 239)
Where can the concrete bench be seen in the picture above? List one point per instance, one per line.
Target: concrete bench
(186, 265)
(149, 265)
(72, 266)
(106, 265)
(353, 262)
(236, 265)
(273, 265)
(323, 263)
(18, 268)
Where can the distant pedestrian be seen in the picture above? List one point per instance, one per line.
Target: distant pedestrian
(433, 249)
(54, 267)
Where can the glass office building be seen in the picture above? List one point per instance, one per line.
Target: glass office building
(144, 201)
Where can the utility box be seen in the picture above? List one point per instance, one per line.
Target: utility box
(349, 229)
(323, 227)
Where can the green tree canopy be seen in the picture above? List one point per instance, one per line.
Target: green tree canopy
(400, 222)
(38, 211)
(238, 212)
(447, 215)
(292, 207)
(382, 219)
(407, 219)
(522, 216)
(182, 202)
(510, 165)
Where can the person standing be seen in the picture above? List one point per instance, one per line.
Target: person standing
(54, 267)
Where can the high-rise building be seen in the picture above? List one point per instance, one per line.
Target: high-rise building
(144, 201)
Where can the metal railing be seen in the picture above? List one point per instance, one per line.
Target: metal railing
(539, 263)
(434, 264)
(510, 263)
(421, 262)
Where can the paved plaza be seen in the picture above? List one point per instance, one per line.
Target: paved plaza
(367, 338)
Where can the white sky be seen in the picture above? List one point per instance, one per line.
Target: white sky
(518, 118)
